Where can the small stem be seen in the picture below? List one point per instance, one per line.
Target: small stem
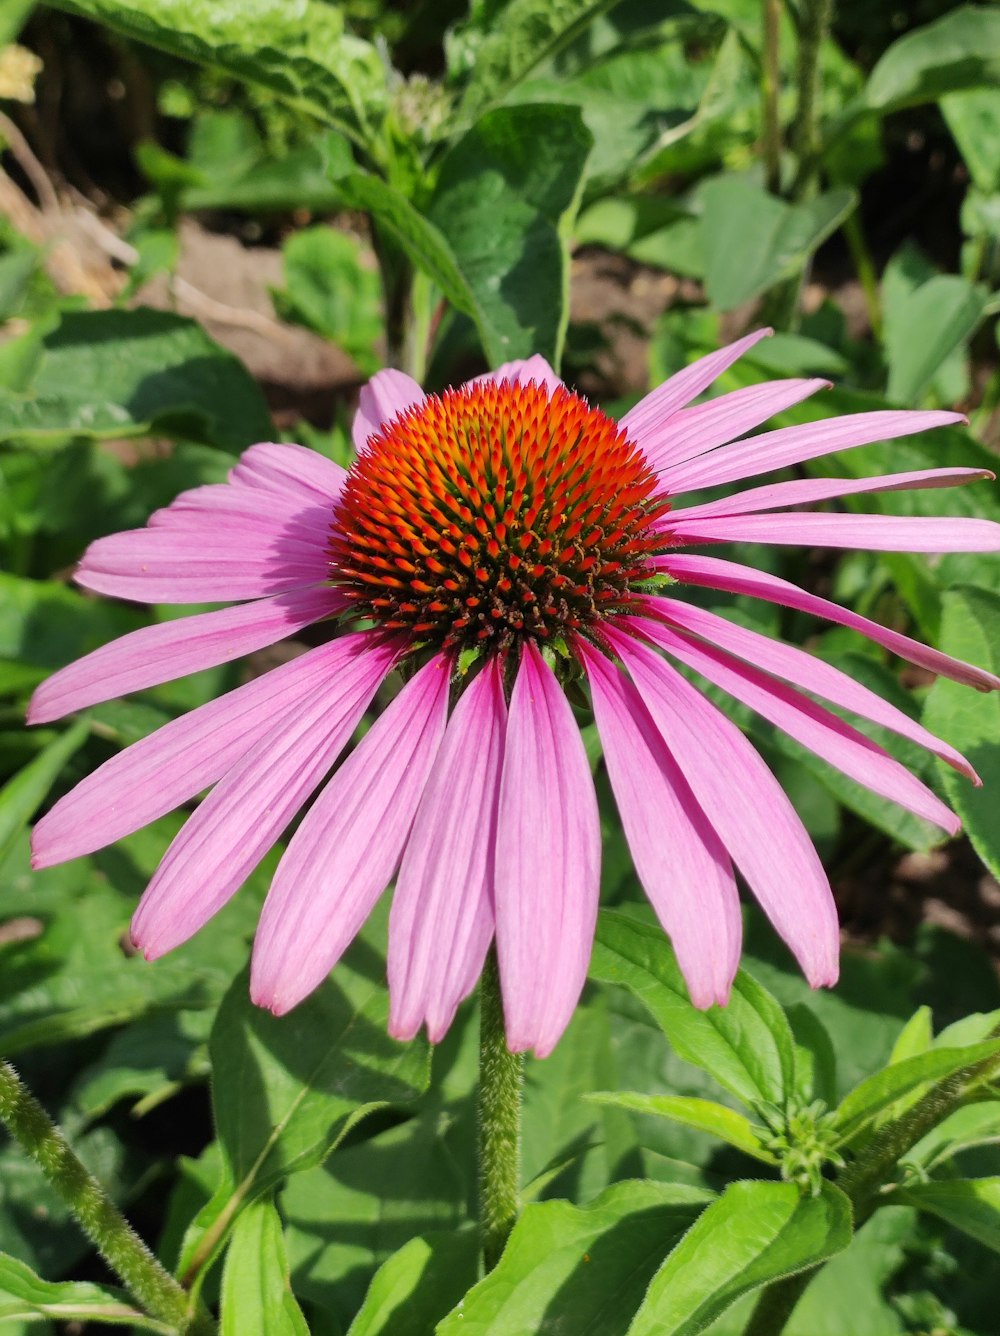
(863, 1179)
(770, 88)
(500, 1081)
(157, 1292)
(814, 24)
(867, 276)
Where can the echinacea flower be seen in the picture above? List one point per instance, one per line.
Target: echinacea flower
(497, 544)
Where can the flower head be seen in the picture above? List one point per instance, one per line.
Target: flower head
(498, 544)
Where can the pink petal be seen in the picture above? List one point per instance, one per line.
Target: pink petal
(441, 922)
(199, 506)
(750, 812)
(348, 847)
(809, 724)
(165, 769)
(805, 670)
(225, 839)
(156, 654)
(520, 372)
(289, 470)
(877, 533)
(730, 576)
(807, 491)
(548, 861)
(793, 445)
(678, 857)
(387, 395)
(686, 385)
(694, 431)
(222, 560)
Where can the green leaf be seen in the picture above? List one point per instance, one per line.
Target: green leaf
(924, 326)
(704, 1114)
(26, 1297)
(915, 1038)
(257, 1298)
(526, 33)
(970, 1204)
(297, 49)
(746, 1046)
(286, 1089)
(126, 373)
(974, 120)
(418, 1285)
(970, 629)
(505, 199)
(21, 796)
(861, 1105)
(753, 1235)
(752, 239)
(330, 289)
(578, 1269)
(960, 50)
(970, 1126)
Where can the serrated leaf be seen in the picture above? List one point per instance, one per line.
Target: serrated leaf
(754, 1234)
(970, 629)
(257, 1298)
(704, 1114)
(578, 1269)
(22, 795)
(746, 1046)
(970, 1204)
(124, 373)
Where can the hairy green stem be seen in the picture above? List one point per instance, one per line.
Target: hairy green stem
(770, 88)
(155, 1290)
(814, 25)
(500, 1082)
(864, 1179)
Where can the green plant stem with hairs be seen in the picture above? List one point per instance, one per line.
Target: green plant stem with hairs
(770, 89)
(153, 1288)
(501, 1075)
(866, 1178)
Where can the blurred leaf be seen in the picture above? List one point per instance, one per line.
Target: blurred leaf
(27, 1297)
(971, 721)
(754, 1234)
(505, 199)
(297, 49)
(578, 1269)
(13, 15)
(916, 1036)
(419, 1285)
(960, 50)
(257, 1298)
(974, 120)
(17, 268)
(746, 1046)
(331, 290)
(648, 228)
(22, 795)
(752, 239)
(970, 1204)
(716, 1119)
(924, 325)
(151, 1058)
(126, 373)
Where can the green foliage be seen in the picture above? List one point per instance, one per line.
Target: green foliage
(257, 1299)
(26, 1297)
(330, 289)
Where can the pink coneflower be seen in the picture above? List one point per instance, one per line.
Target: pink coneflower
(497, 544)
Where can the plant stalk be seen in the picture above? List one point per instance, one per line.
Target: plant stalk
(154, 1289)
(770, 89)
(501, 1075)
(814, 26)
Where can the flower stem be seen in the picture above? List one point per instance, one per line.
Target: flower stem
(770, 87)
(156, 1291)
(500, 1083)
(814, 25)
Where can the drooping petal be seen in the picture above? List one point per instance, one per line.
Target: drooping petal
(161, 771)
(808, 491)
(441, 923)
(348, 847)
(686, 385)
(678, 857)
(794, 445)
(694, 431)
(219, 562)
(732, 578)
(289, 470)
(225, 839)
(388, 394)
(156, 654)
(520, 372)
(876, 533)
(805, 670)
(548, 861)
(823, 733)
(748, 808)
